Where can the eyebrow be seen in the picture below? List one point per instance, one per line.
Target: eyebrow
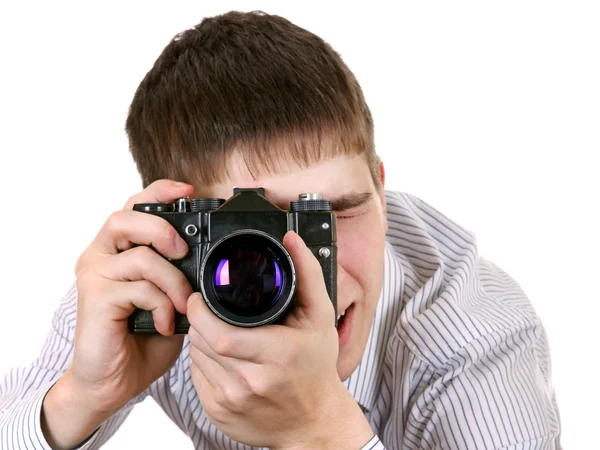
(340, 203)
(349, 201)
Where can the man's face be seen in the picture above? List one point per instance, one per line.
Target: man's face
(361, 227)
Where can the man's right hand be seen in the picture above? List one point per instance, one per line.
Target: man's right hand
(115, 274)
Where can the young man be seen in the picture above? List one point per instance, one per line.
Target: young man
(437, 347)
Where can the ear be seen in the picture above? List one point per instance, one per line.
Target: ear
(381, 174)
(381, 191)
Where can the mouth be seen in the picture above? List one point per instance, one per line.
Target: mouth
(344, 327)
(341, 317)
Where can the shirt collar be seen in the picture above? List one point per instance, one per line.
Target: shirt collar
(364, 383)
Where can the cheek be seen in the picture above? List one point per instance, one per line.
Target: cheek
(349, 283)
(360, 255)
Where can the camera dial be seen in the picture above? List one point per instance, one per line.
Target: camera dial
(310, 202)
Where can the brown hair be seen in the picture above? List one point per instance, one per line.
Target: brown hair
(250, 82)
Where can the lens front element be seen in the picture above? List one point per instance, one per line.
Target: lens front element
(248, 278)
(249, 282)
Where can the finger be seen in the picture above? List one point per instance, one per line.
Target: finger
(161, 191)
(143, 263)
(145, 295)
(125, 229)
(225, 339)
(211, 370)
(227, 393)
(199, 381)
(121, 298)
(312, 300)
(231, 365)
(199, 343)
(207, 393)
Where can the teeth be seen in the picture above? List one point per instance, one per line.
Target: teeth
(341, 315)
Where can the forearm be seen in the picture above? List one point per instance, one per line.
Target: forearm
(67, 418)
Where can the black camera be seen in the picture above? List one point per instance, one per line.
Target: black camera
(236, 258)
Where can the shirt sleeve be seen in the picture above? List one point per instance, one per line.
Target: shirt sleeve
(23, 389)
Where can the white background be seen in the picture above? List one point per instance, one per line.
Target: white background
(488, 111)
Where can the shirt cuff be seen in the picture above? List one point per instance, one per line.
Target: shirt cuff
(23, 426)
(373, 444)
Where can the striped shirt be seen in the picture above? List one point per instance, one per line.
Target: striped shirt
(456, 357)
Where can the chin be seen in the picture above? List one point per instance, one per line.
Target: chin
(346, 365)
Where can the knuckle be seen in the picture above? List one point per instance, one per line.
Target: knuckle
(87, 290)
(227, 396)
(233, 398)
(215, 410)
(147, 290)
(86, 271)
(258, 386)
(114, 221)
(82, 276)
(85, 260)
(223, 345)
(141, 255)
(157, 184)
(80, 265)
(140, 258)
(131, 201)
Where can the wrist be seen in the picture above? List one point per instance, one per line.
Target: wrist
(341, 424)
(68, 418)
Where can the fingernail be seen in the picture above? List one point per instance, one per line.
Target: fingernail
(179, 184)
(170, 328)
(195, 297)
(180, 245)
(163, 317)
(299, 241)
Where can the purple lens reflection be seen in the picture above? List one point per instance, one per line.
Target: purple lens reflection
(277, 274)
(222, 274)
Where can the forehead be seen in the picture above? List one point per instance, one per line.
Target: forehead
(340, 175)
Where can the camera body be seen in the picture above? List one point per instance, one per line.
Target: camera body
(236, 258)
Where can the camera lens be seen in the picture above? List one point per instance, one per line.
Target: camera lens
(248, 282)
(248, 278)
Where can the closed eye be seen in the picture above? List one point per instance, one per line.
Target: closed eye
(351, 201)
(343, 215)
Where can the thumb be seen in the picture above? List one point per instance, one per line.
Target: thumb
(313, 306)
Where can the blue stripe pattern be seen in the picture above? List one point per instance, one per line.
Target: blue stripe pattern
(456, 357)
